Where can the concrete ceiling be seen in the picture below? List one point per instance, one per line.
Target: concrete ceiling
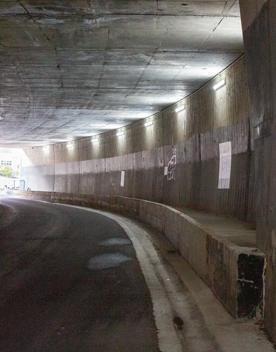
(73, 68)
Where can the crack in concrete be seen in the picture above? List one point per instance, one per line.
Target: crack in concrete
(45, 36)
(142, 74)
(228, 7)
(217, 25)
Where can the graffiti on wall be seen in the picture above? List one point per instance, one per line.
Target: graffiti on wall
(171, 168)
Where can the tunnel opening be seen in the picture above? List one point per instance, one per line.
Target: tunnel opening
(12, 161)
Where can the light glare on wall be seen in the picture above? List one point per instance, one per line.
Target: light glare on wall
(120, 133)
(219, 85)
(95, 139)
(179, 108)
(46, 149)
(148, 123)
(70, 145)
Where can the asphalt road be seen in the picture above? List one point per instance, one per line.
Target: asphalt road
(70, 282)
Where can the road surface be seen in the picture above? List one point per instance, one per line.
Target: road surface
(70, 282)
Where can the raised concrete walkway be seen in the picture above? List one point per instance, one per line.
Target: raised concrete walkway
(233, 230)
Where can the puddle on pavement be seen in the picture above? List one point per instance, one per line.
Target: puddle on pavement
(107, 261)
(116, 242)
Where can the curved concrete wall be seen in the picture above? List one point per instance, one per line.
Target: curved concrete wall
(191, 138)
(259, 31)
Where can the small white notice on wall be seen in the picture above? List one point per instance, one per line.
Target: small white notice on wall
(225, 160)
(165, 170)
(123, 178)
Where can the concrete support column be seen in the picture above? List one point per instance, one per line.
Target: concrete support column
(259, 27)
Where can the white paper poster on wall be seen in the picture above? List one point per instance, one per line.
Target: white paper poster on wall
(225, 160)
(165, 170)
(123, 178)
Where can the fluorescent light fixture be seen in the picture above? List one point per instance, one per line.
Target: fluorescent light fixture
(258, 131)
(95, 139)
(120, 133)
(70, 145)
(220, 84)
(179, 108)
(148, 123)
(46, 149)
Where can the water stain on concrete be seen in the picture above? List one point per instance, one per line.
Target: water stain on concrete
(107, 261)
(116, 241)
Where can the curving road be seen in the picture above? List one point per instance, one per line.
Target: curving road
(70, 282)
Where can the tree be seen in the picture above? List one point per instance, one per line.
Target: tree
(6, 171)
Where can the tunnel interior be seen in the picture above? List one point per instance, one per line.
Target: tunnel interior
(162, 110)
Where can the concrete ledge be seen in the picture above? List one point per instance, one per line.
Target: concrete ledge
(234, 273)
